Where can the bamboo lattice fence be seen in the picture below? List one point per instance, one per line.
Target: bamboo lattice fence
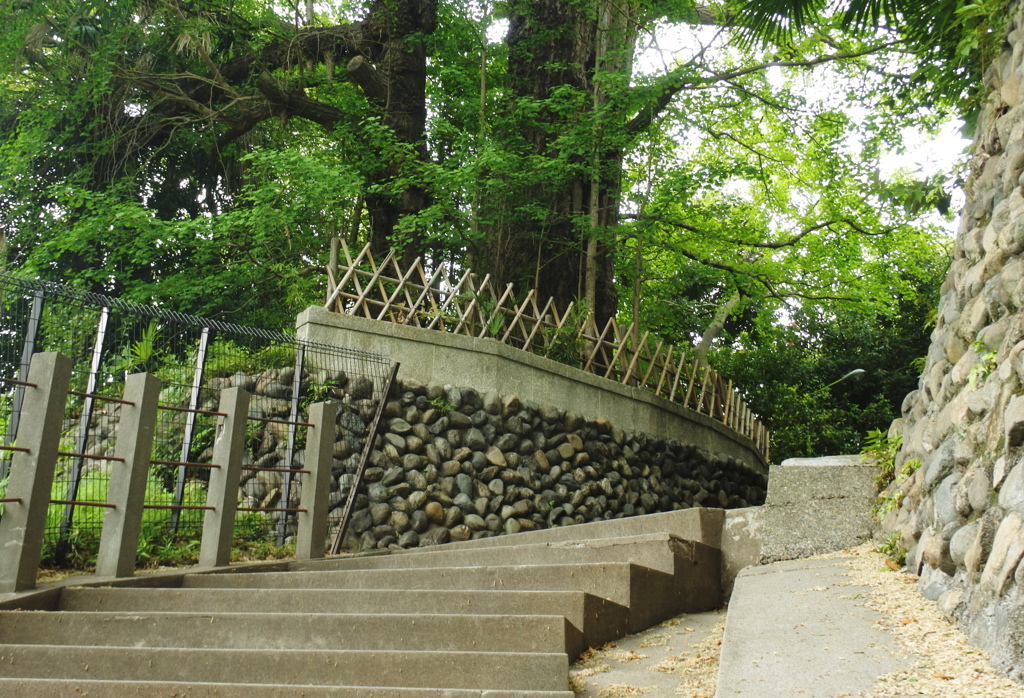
(475, 307)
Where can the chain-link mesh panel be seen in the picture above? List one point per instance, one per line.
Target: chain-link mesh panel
(195, 360)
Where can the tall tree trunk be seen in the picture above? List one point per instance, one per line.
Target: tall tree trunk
(393, 76)
(556, 50)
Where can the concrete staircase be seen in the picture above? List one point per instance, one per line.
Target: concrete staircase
(496, 617)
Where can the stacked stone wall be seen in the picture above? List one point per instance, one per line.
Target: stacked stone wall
(455, 464)
(958, 501)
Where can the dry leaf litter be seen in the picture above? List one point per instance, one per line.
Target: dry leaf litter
(943, 663)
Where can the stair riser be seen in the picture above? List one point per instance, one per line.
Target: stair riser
(697, 524)
(46, 688)
(445, 633)
(653, 553)
(522, 671)
(609, 581)
(599, 620)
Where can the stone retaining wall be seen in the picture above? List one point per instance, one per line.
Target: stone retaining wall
(457, 464)
(432, 356)
(959, 495)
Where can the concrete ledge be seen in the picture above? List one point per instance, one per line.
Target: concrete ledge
(59, 688)
(597, 619)
(652, 550)
(487, 364)
(479, 670)
(321, 631)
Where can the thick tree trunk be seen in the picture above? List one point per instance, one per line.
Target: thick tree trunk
(397, 85)
(555, 49)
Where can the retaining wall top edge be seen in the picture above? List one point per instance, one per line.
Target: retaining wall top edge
(318, 315)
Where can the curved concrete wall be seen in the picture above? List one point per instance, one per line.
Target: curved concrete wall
(486, 364)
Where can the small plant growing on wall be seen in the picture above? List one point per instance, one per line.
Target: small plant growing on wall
(881, 451)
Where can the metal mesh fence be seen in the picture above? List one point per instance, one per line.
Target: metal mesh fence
(195, 359)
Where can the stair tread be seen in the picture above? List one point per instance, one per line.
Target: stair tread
(478, 670)
(342, 631)
(58, 688)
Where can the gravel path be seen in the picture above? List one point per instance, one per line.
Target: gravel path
(680, 657)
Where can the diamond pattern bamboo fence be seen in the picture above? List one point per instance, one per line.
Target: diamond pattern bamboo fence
(476, 307)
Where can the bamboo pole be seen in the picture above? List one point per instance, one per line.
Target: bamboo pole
(349, 273)
(400, 282)
(538, 325)
(679, 374)
(516, 319)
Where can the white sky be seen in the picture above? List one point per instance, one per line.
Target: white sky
(922, 152)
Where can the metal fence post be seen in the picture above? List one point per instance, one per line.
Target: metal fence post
(190, 428)
(311, 533)
(121, 525)
(24, 522)
(83, 436)
(222, 494)
(289, 454)
(28, 348)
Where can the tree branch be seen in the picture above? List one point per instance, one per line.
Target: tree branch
(675, 82)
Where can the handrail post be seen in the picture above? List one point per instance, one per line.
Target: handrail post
(222, 493)
(31, 477)
(311, 533)
(127, 492)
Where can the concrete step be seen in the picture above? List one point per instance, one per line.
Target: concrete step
(497, 618)
(653, 550)
(650, 595)
(595, 619)
(696, 524)
(816, 505)
(57, 688)
(322, 631)
(474, 670)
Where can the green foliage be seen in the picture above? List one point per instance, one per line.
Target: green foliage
(566, 344)
(127, 166)
(136, 355)
(886, 503)
(317, 392)
(156, 547)
(226, 358)
(441, 405)
(880, 450)
(951, 41)
(892, 547)
(985, 366)
(785, 369)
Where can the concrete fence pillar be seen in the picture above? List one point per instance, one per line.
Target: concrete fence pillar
(311, 535)
(222, 494)
(31, 477)
(122, 524)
